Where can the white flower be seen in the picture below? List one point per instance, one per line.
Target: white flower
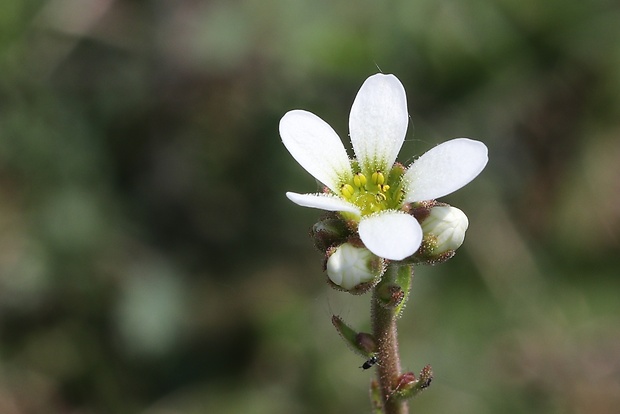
(445, 227)
(348, 266)
(372, 189)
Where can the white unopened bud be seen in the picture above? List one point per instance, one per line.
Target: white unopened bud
(445, 228)
(349, 266)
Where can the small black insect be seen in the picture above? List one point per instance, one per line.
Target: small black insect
(372, 361)
(426, 383)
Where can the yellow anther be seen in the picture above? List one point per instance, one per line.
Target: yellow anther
(384, 188)
(381, 197)
(378, 177)
(359, 180)
(347, 190)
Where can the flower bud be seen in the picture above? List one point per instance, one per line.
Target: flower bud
(408, 386)
(447, 225)
(390, 295)
(329, 231)
(361, 342)
(354, 269)
(444, 232)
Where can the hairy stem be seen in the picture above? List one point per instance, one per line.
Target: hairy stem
(385, 333)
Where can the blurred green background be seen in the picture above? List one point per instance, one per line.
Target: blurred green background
(150, 262)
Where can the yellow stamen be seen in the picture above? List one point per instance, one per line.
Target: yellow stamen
(347, 190)
(378, 177)
(359, 180)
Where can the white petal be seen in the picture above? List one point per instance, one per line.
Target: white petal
(378, 122)
(392, 235)
(316, 147)
(444, 169)
(323, 201)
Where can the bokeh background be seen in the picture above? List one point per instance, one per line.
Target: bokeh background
(150, 263)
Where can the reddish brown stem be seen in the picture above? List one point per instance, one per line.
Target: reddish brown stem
(388, 367)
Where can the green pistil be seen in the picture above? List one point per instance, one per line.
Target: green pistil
(381, 192)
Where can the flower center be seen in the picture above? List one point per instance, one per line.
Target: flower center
(376, 191)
